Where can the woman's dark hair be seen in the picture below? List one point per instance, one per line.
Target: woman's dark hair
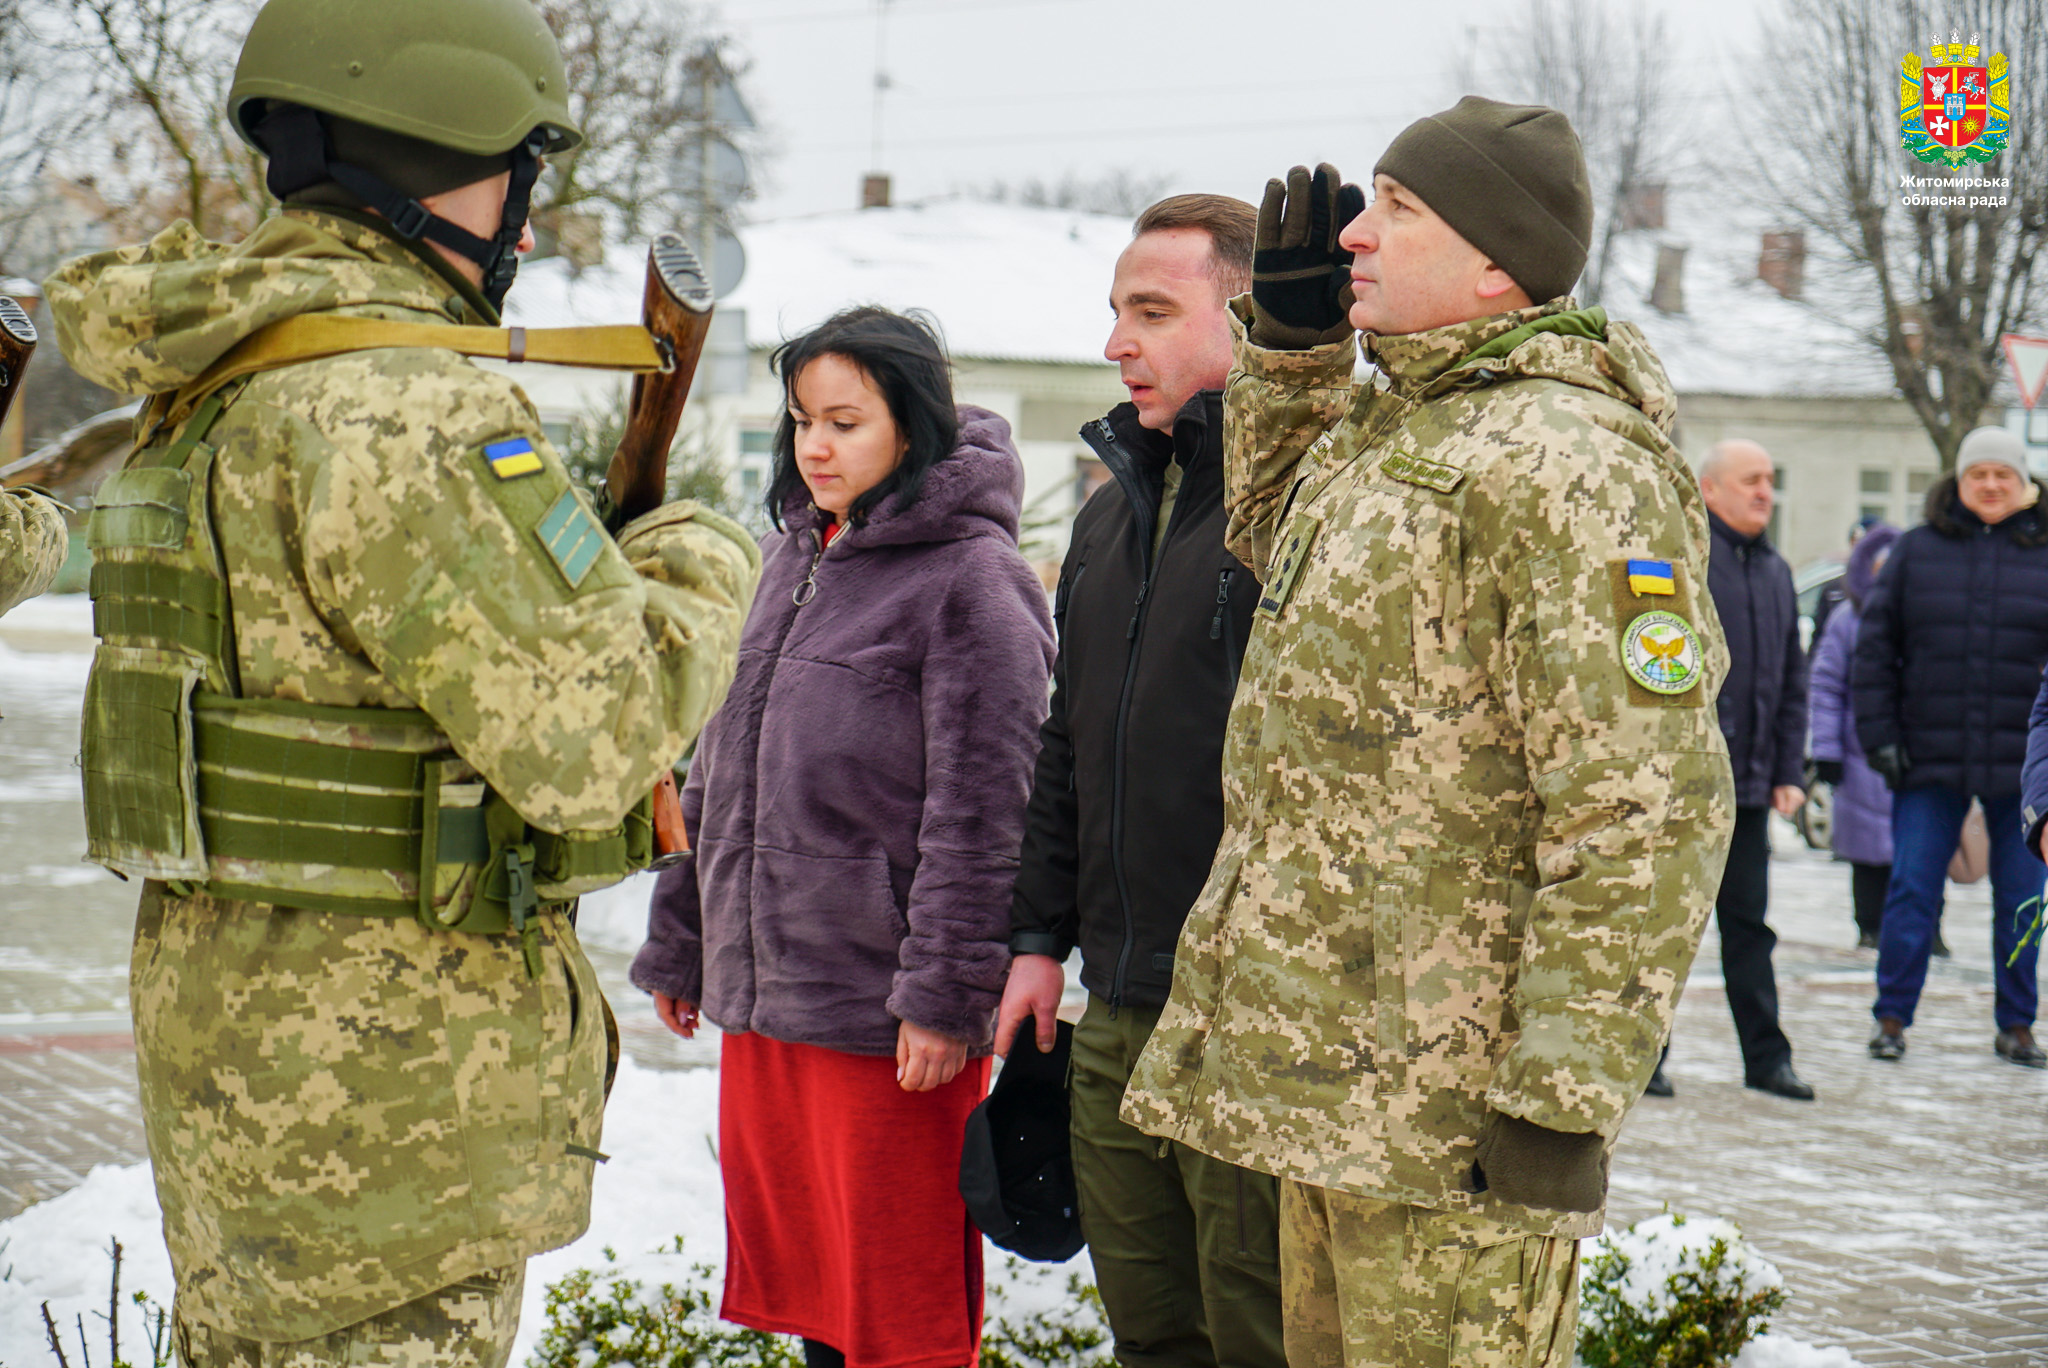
(903, 358)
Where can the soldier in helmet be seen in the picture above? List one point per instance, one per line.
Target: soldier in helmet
(377, 695)
(33, 540)
(1476, 800)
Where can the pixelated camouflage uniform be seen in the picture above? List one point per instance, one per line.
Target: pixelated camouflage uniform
(1467, 857)
(33, 542)
(346, 1113)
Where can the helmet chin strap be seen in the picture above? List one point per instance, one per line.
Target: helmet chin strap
(301, 155)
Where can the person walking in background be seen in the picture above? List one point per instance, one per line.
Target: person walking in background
(1128, 802)
(1948, 664)
(1861, 819)
(854, 814)
(1762, 710)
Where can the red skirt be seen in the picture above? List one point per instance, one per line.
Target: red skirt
(843, 1218)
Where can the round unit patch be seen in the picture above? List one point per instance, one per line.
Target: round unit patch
(1661, 652)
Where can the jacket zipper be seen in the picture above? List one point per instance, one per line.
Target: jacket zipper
(808, 590)
(1220, 625)
(1118, 460)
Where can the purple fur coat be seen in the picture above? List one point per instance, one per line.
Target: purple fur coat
(856, 807)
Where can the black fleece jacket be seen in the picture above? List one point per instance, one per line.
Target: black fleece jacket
(1127, 801)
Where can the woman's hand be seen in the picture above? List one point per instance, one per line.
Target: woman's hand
(926, 1059)
(681, 1017)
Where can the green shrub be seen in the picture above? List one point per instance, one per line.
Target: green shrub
(1668, 1293)
(600, 1319)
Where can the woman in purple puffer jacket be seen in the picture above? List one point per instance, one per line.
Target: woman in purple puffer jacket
(1862, 815)
(855, 811)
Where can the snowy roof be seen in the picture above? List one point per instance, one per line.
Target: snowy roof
(1737, 334)
(1005, 282)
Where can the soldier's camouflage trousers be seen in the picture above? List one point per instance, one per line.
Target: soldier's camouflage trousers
(1368, 1284)
(468, 1324)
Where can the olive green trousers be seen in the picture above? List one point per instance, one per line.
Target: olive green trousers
(468, 1324)
(1185, 1246)
(1375, 1285)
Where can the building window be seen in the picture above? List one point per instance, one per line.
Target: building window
(1918, 482)
(1874, 481)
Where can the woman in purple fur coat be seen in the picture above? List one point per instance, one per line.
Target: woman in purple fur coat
(855, 811)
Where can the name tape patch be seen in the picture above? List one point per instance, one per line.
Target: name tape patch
(1416, 470)
(512, 458)
(573, 539)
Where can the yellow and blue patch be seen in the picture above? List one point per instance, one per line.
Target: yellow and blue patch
(1651, 577)
(512, 458)
(572, 537)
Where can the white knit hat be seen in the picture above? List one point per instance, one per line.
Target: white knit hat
(1995, 445)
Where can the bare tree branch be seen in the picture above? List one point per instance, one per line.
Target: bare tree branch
(1610, 74)
(1931, 287)
(1120, 191)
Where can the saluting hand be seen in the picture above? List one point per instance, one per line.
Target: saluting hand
(927, 1059)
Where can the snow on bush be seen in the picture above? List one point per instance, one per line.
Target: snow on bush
(1672, 1293)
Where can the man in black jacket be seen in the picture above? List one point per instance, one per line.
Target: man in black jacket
(1127, 803)
(1763, 715)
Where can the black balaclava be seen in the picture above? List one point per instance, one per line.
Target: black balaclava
(390, 173)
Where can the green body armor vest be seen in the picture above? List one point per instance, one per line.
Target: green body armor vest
(359, 810)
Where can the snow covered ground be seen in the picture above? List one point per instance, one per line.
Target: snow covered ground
(662, 1182)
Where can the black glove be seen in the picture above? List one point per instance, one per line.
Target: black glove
(1301, 278)
(1532, 1166)
(1827, 771)
(1891, 764)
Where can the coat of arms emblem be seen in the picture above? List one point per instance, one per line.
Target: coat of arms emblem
(1955, 109)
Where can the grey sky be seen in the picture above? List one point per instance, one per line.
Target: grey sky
(1219, 94)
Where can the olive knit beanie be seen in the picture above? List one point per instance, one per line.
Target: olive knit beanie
(1511, 179)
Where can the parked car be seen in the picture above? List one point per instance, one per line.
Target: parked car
(1818, 587)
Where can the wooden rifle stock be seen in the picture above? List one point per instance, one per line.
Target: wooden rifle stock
(17, 342)
(677, 311)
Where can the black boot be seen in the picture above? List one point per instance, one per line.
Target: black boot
(1660, 1086)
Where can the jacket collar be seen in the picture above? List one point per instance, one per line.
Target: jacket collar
(1137, 455)
(1745, 546)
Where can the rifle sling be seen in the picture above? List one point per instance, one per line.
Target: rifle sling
(311, 337)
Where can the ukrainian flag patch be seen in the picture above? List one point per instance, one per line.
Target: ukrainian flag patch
(512, 458)
(572, 537)
(1651, 577)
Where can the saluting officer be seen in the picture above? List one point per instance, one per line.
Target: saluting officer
(376, 696)
(1476, 800)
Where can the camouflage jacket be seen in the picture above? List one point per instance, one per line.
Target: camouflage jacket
(1468, 854)
(33, 542)
(345, 1113)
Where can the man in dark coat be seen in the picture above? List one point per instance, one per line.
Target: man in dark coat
(1763, 715)
(1948, 662)
(1127, 807)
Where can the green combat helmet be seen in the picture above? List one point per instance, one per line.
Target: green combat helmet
(480, 79)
